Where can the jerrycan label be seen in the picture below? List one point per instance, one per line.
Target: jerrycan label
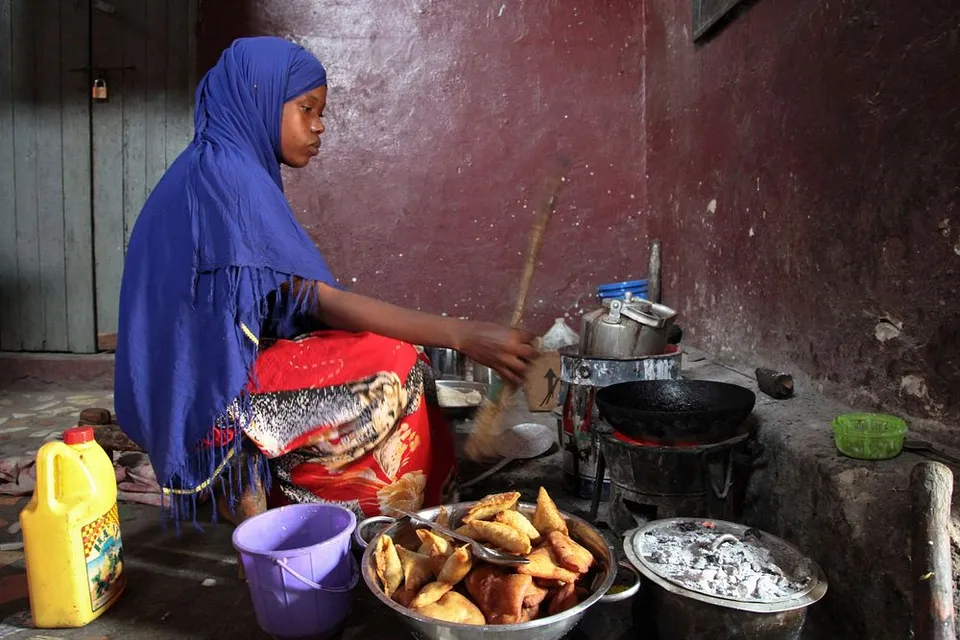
(103, 554)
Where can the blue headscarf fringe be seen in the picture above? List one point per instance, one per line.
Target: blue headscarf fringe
(237, 466)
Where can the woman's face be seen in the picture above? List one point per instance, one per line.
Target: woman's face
(301, 126)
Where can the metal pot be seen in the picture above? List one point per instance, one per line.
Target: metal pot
(549, 628)
(627, 328)
(448, 363)
(481, 373)
(687, 614)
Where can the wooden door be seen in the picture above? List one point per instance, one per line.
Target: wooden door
(145, 50)
(46, 230)
(74, 173)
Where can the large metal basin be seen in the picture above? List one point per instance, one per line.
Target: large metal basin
(549, 628)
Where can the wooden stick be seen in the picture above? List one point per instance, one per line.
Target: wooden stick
(533, 253)
(931, 488)
(653, 286)
(481, 443)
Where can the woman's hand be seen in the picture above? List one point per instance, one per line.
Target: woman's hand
(507, 351)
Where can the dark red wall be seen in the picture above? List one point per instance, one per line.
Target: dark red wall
(826, 133)
(444, 118)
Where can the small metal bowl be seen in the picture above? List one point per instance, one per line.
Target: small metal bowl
(460, 411)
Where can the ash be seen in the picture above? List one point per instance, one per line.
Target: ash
(737, 568)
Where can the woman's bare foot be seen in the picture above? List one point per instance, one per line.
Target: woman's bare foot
(252, 502)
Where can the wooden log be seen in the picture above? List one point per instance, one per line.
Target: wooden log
(111, 438)
(94, 416)
(775, 384)
(931, 489)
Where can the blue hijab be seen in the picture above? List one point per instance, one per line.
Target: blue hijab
(214, 239)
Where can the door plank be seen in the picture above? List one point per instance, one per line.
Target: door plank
(77, 203)
(29, 296)
(134, 114)
(50, 180)
(178, 111)
(107, 133)
(9, 310)
(156, 79)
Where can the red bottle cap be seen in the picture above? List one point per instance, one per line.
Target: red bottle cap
(78, 435)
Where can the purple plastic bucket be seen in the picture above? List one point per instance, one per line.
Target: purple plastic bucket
(299, 568)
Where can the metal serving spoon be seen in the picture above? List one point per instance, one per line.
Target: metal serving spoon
(479, 550)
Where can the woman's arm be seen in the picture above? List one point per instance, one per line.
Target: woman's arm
(506, 350)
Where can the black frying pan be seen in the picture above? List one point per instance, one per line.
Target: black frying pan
(676, 411)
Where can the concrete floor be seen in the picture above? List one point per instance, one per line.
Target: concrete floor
(166, 571)
(851, 516)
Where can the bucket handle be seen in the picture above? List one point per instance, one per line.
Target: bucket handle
(354, 578)
(609, 598)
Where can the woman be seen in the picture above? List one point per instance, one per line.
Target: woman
(239, 357)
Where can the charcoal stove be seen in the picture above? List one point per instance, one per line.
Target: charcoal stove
(581, 377)
(651, 481)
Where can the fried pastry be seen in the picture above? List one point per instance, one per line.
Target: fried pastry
(502, 536)
(547, 517)
(519, 522)
(491, 506)
(534, 596)
(416, 569)
(545, 564)
(443, 517)
(453, 607)
(430, 594)
(570, 554)
(457, 566)
(565, 598)
(499, 594)
(389, 569)
(404, 596)
(434, 547)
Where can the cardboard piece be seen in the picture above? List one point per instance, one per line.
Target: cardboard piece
(542, 386)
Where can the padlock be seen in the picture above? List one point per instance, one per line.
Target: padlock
(99, 91)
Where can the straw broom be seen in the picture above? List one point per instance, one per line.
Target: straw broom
(481, 443)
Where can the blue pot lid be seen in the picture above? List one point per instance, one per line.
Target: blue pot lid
(601, 292)
(619, 296)
(622, 285)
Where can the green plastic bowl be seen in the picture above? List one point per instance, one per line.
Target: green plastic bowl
(869, 436)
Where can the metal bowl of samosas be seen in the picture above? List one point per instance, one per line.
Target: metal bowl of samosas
(522, 606)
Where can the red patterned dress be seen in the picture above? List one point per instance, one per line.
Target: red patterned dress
(342, 417)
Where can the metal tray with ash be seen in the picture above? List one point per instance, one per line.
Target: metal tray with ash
(673, 448)
(710, 579)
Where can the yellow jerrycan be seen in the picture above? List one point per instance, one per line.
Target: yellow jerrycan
(71, 533)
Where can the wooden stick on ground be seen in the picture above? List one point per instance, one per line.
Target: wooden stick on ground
(931, 489)
(481, 444)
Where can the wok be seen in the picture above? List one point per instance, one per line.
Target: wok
(676, 412)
